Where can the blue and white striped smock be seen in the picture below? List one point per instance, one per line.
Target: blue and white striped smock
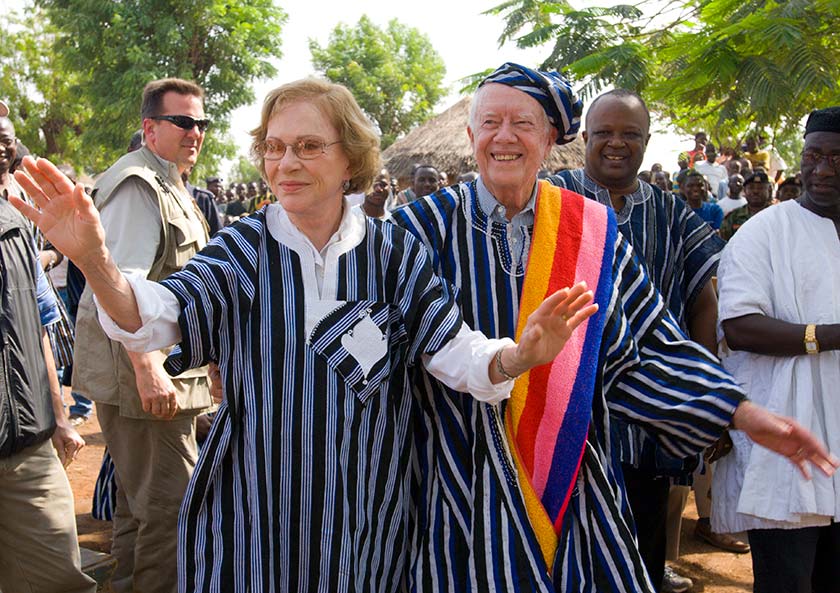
(471, 529)
(303, 482)
(680, 253)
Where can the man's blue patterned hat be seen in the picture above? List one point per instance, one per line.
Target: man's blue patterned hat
(550, 89)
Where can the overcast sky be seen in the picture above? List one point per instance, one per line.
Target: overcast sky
(466, 40)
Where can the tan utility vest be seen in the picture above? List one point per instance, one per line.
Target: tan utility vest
(101, 368)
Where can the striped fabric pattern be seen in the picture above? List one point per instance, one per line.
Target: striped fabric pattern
(680, 253)
(105, 490)
(679, 250)
(548, 415)
(550, 89)
(303, 482)
(471, 530)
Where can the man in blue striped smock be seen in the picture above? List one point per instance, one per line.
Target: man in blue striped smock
(472, 529)
(680, 253)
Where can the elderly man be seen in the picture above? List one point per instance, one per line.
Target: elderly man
(152, 226)
(680, 255)
(528, 495)
(39, 550)
(778, 281)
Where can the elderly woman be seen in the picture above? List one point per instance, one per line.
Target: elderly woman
(315, 316)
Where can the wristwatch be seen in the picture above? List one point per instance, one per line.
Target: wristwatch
(811, 344)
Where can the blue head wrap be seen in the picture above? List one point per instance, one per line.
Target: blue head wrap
(550, 90)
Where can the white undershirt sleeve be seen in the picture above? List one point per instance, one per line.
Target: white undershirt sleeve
(462, 364)
(159, 311)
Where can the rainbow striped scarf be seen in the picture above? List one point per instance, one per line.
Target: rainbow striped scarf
(547, 417)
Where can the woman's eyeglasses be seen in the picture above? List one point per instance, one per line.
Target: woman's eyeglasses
(185, 122)
(305, 148)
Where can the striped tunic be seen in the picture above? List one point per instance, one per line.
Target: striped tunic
(303, 482)
(680, 253)
(471, 531)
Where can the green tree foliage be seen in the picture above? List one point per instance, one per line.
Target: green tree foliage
(394, 73)
(47, 115)
(725, 66)
(117, 47)
(243, 171)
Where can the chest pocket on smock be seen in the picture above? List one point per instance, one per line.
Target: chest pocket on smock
(358, 341)
(188, 238)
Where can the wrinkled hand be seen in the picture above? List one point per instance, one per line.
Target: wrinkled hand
(65, 214)
(157, 393)
(549, 327)
(216, 391)
(784, 436)
(67, 442)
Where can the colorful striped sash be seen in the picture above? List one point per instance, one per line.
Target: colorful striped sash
(547, 418)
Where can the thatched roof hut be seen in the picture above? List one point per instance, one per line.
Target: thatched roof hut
(442, 141)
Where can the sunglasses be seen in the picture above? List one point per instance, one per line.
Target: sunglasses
(185, 122)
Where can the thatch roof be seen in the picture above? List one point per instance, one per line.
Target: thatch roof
(442, 141)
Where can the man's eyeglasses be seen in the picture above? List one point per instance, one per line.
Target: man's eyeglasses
(304, 148)
(812, 158)
(185, 122)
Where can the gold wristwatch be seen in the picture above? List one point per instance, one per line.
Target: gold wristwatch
(811, 344)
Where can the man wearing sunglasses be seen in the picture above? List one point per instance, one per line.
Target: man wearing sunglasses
(152, 227)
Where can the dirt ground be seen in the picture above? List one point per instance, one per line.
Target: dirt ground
(712, 570)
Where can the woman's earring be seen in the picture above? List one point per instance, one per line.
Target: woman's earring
(346, 185)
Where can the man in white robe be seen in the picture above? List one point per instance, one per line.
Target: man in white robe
(779, 281)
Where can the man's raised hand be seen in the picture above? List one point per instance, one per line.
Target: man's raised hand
(549, 327)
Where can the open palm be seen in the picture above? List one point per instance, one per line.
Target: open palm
(64, 213)
(549, 327)
(785, 436)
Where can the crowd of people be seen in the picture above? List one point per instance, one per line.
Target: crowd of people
(508, 382)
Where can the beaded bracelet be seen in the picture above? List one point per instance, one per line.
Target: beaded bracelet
(501, 368)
